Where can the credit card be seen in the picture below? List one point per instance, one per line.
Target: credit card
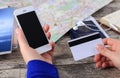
(85, 46)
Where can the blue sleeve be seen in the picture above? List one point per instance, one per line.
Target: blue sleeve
(41, 69)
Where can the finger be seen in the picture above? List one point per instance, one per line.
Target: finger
(21, 38)
(48, 35)
(46, 28)
(106, 41)
(104, 51)
(97, 57)
(52, 50)
(107, 64)
(99, 64)
(109, 41)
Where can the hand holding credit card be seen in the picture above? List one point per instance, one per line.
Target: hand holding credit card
(85, 46)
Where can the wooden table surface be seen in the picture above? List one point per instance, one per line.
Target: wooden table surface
(13, 66)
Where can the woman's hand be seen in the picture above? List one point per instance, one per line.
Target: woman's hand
(29, 53)
(109, 56)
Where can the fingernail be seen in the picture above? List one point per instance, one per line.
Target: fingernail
(99, 47)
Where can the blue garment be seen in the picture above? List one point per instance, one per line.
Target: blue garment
(41, 69)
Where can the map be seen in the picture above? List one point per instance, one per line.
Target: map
(61, 15)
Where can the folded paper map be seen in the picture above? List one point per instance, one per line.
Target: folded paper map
(61, 15)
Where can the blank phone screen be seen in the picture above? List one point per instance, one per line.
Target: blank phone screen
(32, 29)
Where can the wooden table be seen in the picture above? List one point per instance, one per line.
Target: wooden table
(13, 66)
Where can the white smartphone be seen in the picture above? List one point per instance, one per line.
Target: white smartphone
(28, 21)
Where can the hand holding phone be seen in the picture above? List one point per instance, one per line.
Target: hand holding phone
(28, 21)
(29, 53)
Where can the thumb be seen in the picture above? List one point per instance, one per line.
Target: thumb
(104, 51)
(21, 38)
